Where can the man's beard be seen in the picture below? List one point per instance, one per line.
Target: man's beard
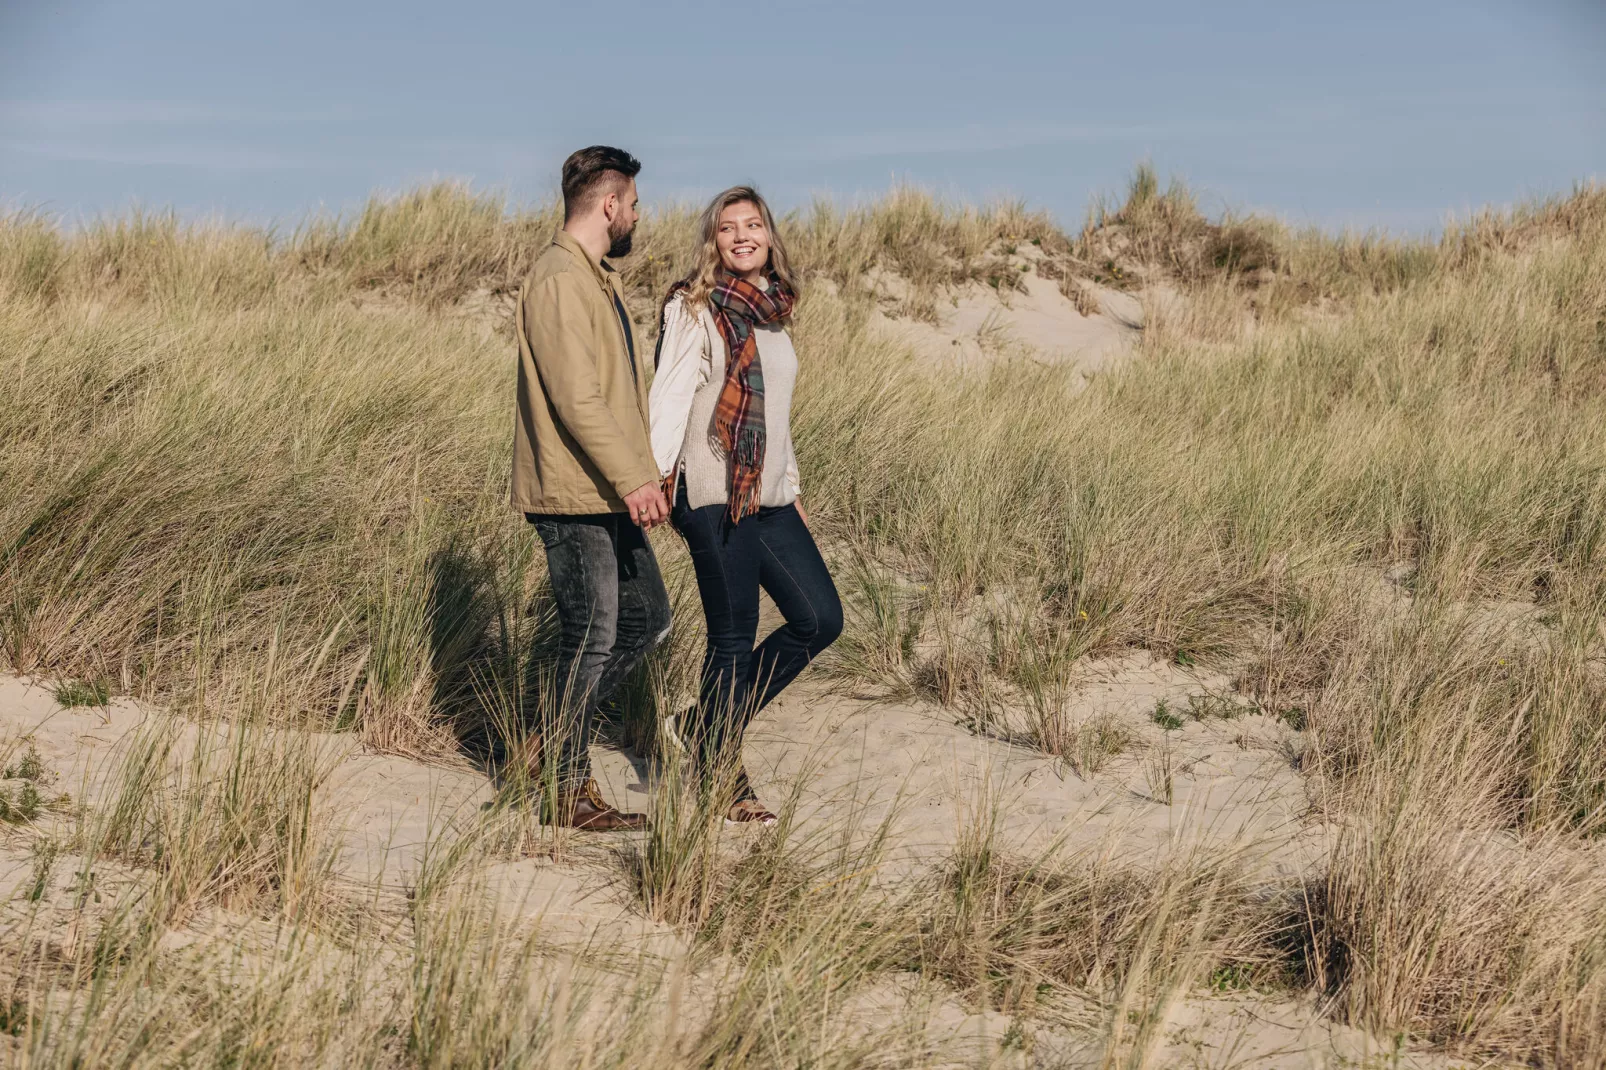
(620, 243)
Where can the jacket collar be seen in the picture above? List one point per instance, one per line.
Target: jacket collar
(603, 271)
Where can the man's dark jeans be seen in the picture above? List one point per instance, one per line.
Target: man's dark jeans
(774, 550)
(612, 610)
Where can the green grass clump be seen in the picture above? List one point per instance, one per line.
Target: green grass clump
(1165, 718)
(29, 767)
(27, 803)
(13, 1017)
(73, 693)
(25, 807)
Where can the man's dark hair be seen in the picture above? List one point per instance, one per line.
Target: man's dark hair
(592, 173)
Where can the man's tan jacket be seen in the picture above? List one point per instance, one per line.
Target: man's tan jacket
(581, 442)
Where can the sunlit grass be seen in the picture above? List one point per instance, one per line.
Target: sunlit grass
(261, 479)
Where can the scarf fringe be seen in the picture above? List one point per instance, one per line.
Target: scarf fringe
(746, 502)
(749, 452)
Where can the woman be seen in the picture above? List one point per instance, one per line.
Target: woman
(720, 411)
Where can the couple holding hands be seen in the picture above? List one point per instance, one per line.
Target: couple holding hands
(599, 459)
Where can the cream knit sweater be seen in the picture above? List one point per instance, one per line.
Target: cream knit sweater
(680, 406)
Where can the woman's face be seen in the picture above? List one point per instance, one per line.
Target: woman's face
(743, 240)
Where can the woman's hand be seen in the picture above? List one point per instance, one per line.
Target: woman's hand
(797, 503)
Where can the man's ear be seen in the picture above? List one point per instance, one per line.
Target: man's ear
(610, 205)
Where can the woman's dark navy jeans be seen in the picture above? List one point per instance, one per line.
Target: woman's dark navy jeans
(771, 549)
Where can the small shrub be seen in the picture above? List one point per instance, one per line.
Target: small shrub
(26, 807)
(1231, 977)
(13, 1017)
(1165, 718)
(29, 767)
(73, 693)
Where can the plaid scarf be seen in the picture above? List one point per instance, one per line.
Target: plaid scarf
(738, 431)
(738, 428)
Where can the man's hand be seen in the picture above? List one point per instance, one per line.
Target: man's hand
(648, 506)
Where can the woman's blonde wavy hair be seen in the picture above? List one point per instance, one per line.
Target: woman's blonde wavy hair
(704, 274)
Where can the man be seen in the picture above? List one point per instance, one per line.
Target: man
(583, 469)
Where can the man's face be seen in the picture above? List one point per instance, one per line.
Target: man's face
(622, 221)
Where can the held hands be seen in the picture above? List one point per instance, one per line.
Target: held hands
(647, 505)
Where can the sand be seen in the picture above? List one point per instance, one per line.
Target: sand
(904, 761)
(977, 325)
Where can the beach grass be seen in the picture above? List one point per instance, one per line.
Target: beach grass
(259, 479)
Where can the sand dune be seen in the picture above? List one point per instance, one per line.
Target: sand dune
(900, 762)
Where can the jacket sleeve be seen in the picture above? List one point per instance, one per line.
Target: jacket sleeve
(682, 368)
(566, 359)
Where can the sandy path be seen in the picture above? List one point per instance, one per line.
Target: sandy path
(907, 762)
(904, 761)
(1232, 783)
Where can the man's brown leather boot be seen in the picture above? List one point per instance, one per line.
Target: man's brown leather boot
(585, 809)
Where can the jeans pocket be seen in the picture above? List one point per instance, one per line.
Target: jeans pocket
(553, 533)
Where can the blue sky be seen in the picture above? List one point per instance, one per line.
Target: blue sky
(1343, 114)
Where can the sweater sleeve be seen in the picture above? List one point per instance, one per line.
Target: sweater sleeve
(682, 368)
(793, 482)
